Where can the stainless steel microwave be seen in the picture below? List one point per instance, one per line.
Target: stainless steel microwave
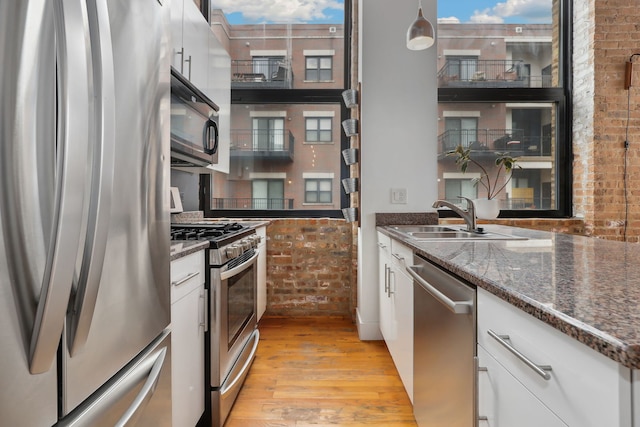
(194, 124)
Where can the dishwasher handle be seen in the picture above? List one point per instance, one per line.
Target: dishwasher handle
(457, 307)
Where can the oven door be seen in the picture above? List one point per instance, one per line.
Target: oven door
(233, 314)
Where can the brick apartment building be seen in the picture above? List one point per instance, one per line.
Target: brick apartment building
(287, 156)
(497, 56)
(283, 156)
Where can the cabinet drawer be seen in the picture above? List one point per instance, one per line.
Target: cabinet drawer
(187, 273)
(384, 243)
(585, 388)
(504, 402)
(401, 255)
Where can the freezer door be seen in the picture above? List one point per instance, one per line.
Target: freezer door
(139, 395)
(129, 301)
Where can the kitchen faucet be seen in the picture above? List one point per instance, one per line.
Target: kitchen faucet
(469, 215)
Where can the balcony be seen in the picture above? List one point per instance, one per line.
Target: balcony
(248, 203)
(488, 142)
(488, 73)
(262, 144)
(261, 74)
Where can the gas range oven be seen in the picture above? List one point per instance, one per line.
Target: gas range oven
(231, 333)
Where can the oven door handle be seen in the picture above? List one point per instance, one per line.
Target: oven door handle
(239, 269)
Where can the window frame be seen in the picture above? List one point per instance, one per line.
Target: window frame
(318, 191)
(318, 69)
(318, 130)
(560, 96)
(293, 96)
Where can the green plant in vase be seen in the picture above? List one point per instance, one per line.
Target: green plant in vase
(503, 162)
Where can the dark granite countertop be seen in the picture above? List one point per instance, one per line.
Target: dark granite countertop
(182, 248)
(587, 288)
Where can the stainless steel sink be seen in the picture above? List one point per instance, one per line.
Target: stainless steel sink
(438, 232)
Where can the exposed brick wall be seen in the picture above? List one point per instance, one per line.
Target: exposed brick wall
(606, 34)
(310, 268)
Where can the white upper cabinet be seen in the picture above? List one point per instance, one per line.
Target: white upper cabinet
(200, 57)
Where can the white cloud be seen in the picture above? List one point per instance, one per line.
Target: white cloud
(525, 10)
(282, 11)
(485, 17)
(449, 20)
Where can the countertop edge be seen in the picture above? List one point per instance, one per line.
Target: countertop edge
(182, 248)
(605, 344)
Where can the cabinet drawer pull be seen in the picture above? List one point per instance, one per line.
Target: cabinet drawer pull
(186, 278)
(398, 257)
(542, 370)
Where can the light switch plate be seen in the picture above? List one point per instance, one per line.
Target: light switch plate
(399, 196)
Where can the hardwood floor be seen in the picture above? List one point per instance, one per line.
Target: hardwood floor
(316, 372)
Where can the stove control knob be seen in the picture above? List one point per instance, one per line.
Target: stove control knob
(254, 240)
(246, 244)
(233, 251)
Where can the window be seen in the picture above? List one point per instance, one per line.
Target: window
(268, 194)
(456, 187)
(288, 72)
(318, 190)
(318, 68)
(268, 134)
(460, 131)
(504, 86)
(318, 129)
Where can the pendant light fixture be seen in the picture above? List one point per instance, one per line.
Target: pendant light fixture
(420, 34)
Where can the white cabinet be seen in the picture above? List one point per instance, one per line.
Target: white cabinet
(384, 297)
(396, 305)
(188, 302)
(504, 402)
(200, 57)
(190, 35)
(262, 271)
(584, 388)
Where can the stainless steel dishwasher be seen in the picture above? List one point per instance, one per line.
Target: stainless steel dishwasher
(444, 347)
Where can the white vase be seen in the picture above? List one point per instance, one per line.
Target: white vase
(487, 208)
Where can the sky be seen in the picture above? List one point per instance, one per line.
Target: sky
(331, 11)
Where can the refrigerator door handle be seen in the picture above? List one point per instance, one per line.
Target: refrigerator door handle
(146, 391)
(73, 131)
(103, 146)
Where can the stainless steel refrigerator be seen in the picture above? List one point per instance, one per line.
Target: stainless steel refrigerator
(84, 213)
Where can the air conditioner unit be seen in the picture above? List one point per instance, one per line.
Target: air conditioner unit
(518, 29)
(332, 29)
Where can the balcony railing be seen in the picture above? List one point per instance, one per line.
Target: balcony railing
(266, 144)
(490, 141)
(261, 74)
(488, 73)
(249, 203)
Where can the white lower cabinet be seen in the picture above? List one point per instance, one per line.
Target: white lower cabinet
(396, 306)
(505, 402)
(582, 388)
(187, 329)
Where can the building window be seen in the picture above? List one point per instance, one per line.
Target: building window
(268, 194)
(318, 190)
(454, 188)
(460, 131)
(318, 68)
(268, 134)
(319, 129)
(515, 78)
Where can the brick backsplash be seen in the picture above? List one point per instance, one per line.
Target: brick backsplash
(310, 268)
